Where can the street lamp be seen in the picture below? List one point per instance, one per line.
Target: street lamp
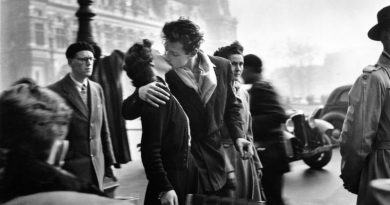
(85, 15)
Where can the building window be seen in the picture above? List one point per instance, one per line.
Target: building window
(38, 75)
(60, 38)
(39, 34)
(74, 36)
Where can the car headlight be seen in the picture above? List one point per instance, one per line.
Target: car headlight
(290, 125)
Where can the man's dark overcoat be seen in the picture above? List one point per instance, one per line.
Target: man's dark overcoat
(206, 122)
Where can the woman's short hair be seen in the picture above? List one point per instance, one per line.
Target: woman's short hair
(184, 31)
(22, 106)
(227, 51)
(138, 61)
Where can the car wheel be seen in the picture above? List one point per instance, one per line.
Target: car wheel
(321, 159)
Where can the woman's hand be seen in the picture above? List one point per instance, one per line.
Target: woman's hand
(169, 198)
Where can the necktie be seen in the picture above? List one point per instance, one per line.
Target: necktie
(83, 94)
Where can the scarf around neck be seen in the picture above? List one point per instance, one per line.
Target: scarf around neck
(207, 79)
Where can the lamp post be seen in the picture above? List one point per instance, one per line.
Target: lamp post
(85, 15)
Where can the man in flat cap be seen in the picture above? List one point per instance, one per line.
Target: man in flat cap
(90, 152)
(365, 137)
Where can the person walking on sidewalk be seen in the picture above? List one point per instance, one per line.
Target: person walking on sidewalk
(267, 117)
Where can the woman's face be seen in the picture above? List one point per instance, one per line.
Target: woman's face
(53, 128)
(237, 62)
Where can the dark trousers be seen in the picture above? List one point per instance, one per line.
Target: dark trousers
(273, 185)
(275, 164)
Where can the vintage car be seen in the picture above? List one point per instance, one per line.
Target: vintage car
(336, 106)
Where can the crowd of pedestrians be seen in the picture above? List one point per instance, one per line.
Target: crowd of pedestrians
(203, 133)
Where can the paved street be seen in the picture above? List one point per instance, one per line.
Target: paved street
(303, 186)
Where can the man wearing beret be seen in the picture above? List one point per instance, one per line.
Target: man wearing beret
(90, 153)
(365, 137)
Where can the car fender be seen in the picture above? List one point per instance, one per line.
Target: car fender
(317, 112)
(322, 125)
(333, 115)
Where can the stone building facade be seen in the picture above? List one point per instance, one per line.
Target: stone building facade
(35, 33)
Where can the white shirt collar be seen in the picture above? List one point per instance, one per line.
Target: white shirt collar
(78, 84)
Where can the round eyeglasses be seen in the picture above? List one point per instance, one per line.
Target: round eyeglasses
(86, 59)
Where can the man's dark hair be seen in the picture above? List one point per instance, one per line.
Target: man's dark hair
(76, 47)
(253, 61)
(184, 31)
(227, 51)
(138, 61)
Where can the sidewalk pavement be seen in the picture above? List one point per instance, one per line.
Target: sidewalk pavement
(132, 181)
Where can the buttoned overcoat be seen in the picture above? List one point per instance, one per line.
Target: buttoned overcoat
(365, 137)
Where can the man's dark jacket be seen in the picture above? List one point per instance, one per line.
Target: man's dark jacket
(267, 117)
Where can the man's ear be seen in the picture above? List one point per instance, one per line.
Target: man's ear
(69, 61)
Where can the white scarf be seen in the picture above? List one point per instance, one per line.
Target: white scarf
(207, 80)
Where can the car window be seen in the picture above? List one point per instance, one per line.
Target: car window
(344, 97)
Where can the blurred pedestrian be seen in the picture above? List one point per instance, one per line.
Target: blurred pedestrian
(90, 153)
(267, 118)
(365, 137)
(33, 125)
(165, 134)
(204, 87)
(248, 172)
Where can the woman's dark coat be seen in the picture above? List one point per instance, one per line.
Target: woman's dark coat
(165, 149)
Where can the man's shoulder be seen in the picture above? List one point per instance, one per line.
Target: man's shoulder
(57, 85)
(262, 85)
(371, 68)
(374, 72)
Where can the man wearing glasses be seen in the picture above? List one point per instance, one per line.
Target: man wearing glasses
(90, 150)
